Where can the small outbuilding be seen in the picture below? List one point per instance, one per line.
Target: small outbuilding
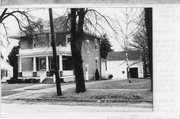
(119, 63)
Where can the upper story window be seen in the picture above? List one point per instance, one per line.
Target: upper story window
(44, 40)
(41, 40)
(62, 39)
(96, 44)
(68, 38)
(88, 46)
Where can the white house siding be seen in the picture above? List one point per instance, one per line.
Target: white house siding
(8, 70)
(103, 69)
(119, 69)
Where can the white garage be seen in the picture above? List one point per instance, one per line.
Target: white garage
(116, 64)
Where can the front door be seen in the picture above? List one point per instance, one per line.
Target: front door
(133, 72)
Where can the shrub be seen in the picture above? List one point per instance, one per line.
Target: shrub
(12, 80)
(97, 75)
(31, 80)
(110, 76)
(20, 81)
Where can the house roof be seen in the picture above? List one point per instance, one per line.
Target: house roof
(60, 26)
(132, 55)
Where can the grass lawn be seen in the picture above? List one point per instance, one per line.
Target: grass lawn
(6, 86)
(8, 92)
(123, 84)
(112, 91)
(41, 86)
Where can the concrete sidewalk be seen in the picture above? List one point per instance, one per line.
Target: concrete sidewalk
(35, 94)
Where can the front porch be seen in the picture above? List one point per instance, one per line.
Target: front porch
(42, 67)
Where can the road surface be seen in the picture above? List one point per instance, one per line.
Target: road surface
(68, 111)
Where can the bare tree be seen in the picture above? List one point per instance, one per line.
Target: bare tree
(76, 43)
(22, 17)
(148, 24)
(128, 28)
(83, 19)
(28, 28)
(139, 42)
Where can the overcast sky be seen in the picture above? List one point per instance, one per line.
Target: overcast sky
(112, 13)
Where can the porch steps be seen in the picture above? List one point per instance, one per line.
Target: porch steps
(48, 80)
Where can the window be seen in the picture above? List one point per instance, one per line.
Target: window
(47, 36)
(60, 39)
(87, 46)
(106, 65)
(96, 47)
(27, 64)
(96, 60)
(41, 40)
(68, 38)
(41, 63)
(51, 63)
(67, 62)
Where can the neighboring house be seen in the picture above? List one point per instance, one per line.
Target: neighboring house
(36, 61)
(6, 70)
(116, 64)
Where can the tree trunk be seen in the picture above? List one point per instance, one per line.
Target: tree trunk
(76, 42)
(58, 84)
(148, 23)
(145, 64)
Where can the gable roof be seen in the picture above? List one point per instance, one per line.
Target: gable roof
(132, 55)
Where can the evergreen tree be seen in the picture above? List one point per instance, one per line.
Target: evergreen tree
(13, 60)
(105, 47)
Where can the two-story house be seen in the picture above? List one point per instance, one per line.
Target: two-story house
(36, 61)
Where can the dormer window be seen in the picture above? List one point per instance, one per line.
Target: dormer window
(41, 27)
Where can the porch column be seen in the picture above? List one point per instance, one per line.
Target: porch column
(60, 63)
(20, 65)
(34, 64)
(34, 67)
(47, 64)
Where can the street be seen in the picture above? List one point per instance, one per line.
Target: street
(68, 111)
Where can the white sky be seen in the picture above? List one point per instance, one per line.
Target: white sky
(12, 26)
